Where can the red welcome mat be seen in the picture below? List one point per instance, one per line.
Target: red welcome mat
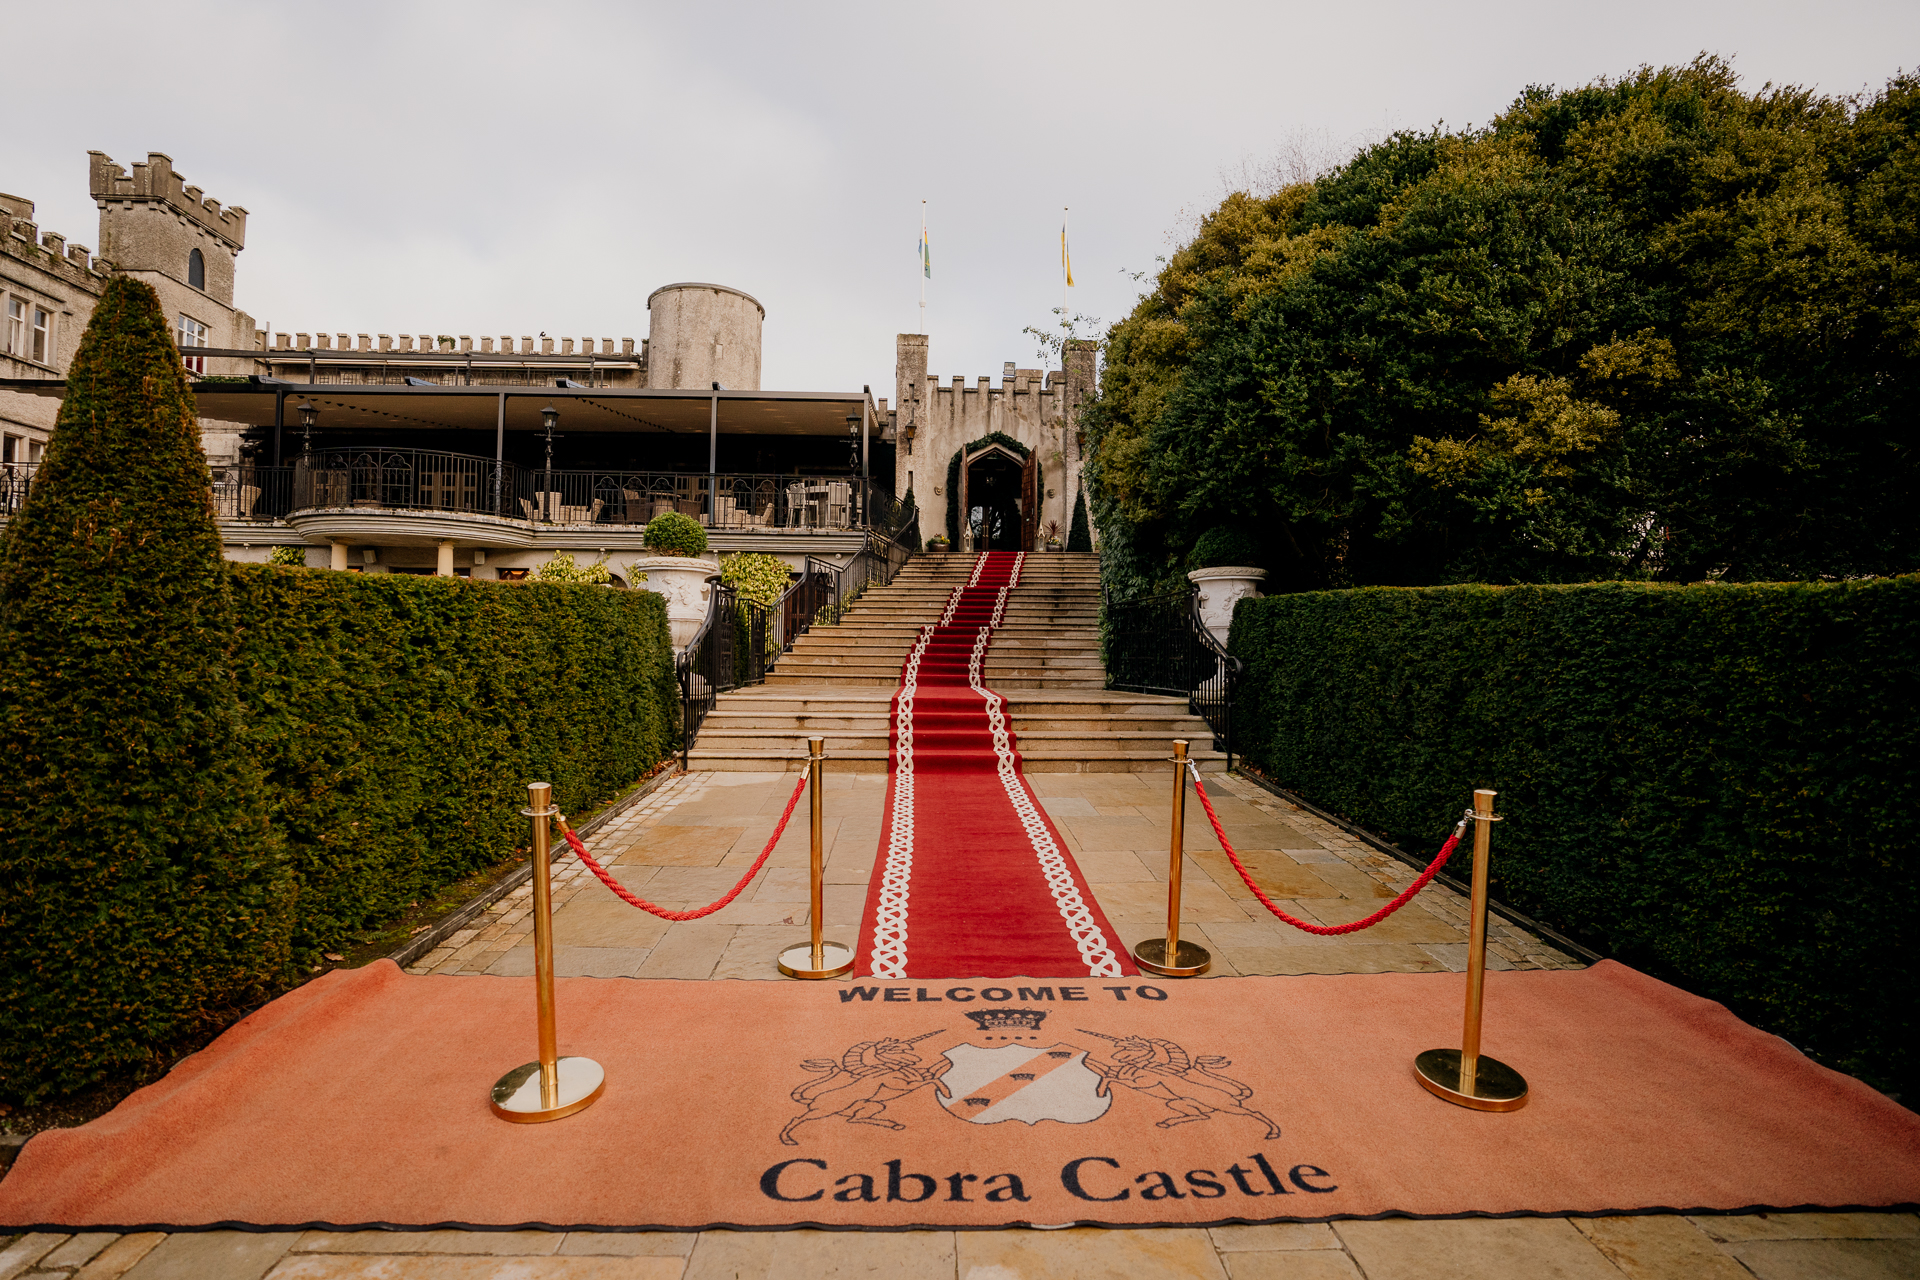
(360, 1100)
(972, 877)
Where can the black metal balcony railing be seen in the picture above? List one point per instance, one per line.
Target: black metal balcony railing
(404, 480)
(252, 493)
(422, 480)
(240, 492)
(15, 479)
(1158, 644)
(739, 501)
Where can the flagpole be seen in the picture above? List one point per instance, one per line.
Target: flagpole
(923, 266)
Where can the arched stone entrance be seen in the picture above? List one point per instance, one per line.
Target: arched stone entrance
(997, 499)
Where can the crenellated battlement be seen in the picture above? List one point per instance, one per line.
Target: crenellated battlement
(382, 344)
(48, 250)
(155, 180)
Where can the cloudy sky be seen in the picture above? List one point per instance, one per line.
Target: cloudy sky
(510, 168)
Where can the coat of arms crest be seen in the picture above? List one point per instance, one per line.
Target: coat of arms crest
(1020, 1079)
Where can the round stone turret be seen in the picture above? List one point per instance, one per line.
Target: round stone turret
(700, 334)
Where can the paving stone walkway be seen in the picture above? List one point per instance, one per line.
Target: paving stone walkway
(688, 841)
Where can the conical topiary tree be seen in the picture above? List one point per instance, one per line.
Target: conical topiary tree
(1079, 538)
(141, 887)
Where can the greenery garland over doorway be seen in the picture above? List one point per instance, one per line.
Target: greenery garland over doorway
(953, 475)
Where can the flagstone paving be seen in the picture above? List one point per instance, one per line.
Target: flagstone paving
(686, 843)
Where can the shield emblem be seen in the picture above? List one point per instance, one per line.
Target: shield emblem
(1022, 1082)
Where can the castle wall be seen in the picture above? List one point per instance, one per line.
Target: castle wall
(1033, 408)
(700, 334)
(40, 270)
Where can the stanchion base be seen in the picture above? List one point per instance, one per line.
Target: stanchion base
(1496, 1086)
(1189, 959)
(835, 959)
(517, 1095)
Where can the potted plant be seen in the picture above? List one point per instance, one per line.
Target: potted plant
(1051, 532)
(677, 568)
(1224, 572)
(939, 544)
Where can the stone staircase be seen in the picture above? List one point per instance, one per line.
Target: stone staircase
(838, 681)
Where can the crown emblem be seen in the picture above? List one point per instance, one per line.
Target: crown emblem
(1007, 1019)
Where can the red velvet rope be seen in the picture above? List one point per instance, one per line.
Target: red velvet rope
(1326, 930)
(635, 899)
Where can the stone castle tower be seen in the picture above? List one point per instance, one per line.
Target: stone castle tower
(156, 227)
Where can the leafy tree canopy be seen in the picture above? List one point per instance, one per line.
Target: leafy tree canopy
(1656, 327)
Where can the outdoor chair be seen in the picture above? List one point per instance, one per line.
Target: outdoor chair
(249, 494)
(527, 507)
(839, 498)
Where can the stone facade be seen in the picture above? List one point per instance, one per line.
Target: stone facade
(48, 289)
(930, 423)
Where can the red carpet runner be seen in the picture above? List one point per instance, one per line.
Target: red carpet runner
(973, 879)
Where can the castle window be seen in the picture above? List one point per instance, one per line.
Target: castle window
(193, 334)
(16, 327)
(196, 270)
(42, 348)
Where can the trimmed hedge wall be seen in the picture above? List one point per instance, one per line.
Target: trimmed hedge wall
(400, 718)
(1714, 783)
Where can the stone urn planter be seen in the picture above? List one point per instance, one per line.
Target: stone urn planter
(683, 581)
(1221, 588)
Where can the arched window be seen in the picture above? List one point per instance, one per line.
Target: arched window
(196, 270)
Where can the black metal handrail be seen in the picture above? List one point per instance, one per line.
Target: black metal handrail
(729, 651)
(404, 480)
(1158, 644)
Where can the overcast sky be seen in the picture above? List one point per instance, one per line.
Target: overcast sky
(510, 168)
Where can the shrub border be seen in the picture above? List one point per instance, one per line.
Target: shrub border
(1451, 881)
(466, 912)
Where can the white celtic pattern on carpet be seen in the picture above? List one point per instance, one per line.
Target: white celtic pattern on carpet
(889, 951)
(1087, 935)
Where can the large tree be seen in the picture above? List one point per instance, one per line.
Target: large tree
(1654, 327)
(141, 887)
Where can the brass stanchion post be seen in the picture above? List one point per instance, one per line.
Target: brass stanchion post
(1169, 956)
(818, 958)
(1465, 1076)
(552, 1086)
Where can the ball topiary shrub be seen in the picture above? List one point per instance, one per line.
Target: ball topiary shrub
(1222, 545)
(142, 889)
(294, 557)
(673, 534)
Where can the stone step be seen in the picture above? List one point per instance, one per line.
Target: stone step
(1076, 666)
(728, 726)
(785, 760)
(1001, 684)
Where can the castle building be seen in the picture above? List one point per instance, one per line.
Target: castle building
(487, 455)
(1008, 456)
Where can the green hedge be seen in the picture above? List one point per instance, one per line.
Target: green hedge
(1714, 783)
(400, 718)
(142, 886)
